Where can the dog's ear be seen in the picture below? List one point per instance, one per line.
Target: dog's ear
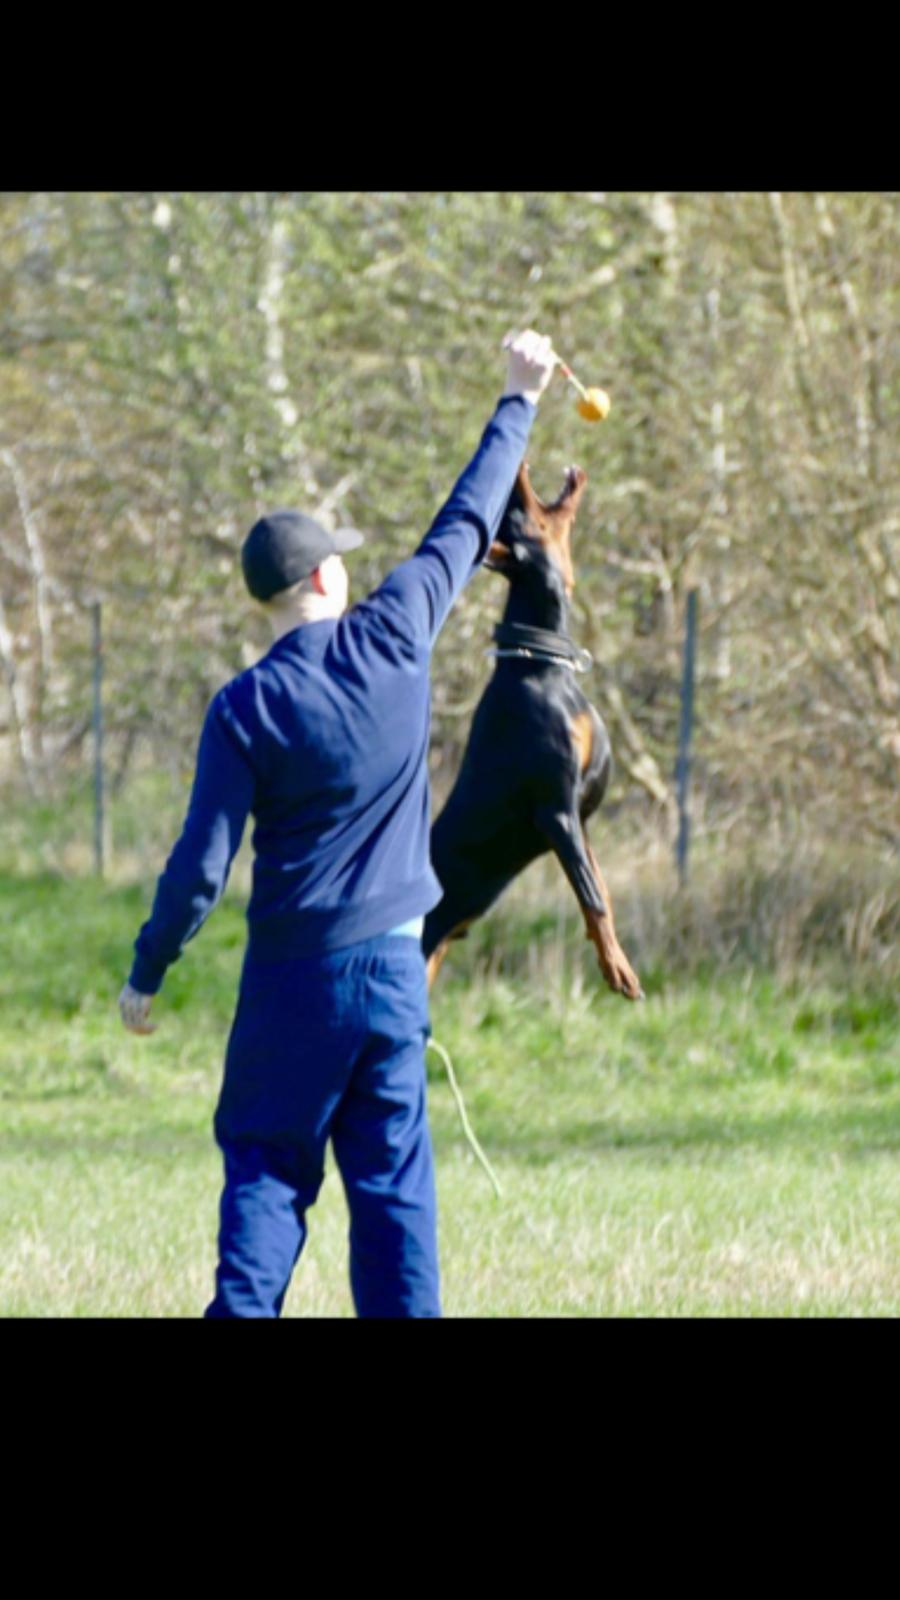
(527, 497)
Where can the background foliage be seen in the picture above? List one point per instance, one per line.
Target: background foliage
(173, 364)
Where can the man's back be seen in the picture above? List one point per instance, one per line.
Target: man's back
(335, 723)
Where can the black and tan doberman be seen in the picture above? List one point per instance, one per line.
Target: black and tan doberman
(538, 758)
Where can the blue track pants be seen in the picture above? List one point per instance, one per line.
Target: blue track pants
(329, 1046)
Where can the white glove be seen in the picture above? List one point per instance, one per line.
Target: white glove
(531, 363)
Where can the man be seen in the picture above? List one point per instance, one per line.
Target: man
(325, 741)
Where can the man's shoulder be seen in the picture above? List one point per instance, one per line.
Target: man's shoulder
(233, 703)
(230, 694)
(247, 695)
(239, 692)
(386, 617)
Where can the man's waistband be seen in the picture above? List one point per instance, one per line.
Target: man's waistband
(273, 938)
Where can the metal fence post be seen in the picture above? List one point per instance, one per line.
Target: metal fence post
(682, 770)
(99, 815)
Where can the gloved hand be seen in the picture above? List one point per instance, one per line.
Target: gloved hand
(531, 363)
(134, 1009)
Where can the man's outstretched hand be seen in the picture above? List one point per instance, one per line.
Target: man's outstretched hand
(531, 364)
(134, 1009)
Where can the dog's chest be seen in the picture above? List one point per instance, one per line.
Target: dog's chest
(535, 719)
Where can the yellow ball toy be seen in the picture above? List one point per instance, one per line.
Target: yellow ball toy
(594, 406)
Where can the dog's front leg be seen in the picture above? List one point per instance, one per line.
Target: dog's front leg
(577, 859)
(620, 957)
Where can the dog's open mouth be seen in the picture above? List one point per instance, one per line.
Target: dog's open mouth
(572, 480)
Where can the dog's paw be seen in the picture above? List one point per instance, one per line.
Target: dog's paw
(620, 975)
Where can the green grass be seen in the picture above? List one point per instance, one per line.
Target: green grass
(730, 1147)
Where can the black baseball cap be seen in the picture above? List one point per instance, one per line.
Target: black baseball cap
(286, 546)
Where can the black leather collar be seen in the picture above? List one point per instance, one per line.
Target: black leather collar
(541, 642)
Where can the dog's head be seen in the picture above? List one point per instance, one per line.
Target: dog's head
(532, 543)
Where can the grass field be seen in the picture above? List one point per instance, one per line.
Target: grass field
(728, 1148)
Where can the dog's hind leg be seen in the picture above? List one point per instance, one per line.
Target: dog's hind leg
(565, 834)
(451, 919)
(433, 963)
(609, 909)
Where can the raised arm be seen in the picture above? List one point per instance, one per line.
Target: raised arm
(197, 871)
(417, 595)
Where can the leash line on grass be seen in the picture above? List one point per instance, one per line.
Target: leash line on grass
(432, 1044)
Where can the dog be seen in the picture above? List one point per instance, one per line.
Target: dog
(538, 759)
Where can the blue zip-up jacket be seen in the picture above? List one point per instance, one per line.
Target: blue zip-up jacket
(325, 741)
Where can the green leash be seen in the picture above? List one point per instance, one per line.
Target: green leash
(432, 1044)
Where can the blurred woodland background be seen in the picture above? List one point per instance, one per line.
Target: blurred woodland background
(172, 364)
